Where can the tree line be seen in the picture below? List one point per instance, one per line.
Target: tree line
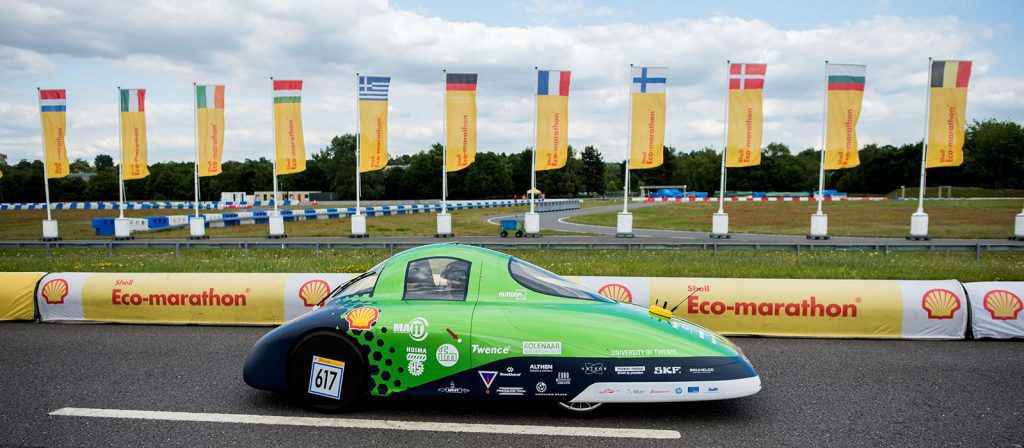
(993, 158)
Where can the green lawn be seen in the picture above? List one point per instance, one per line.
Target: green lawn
(947, 219)
(659, 263)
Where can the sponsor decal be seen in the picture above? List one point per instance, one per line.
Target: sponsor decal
(1002, 305)
(511, 391)
(447, 355)
(510, 371)
(519, 294)
(702, 370)
(563, 379)
(658, 391)
(208, 297)
(487, 376)
(54, 291)
(630, 370)
(805, 308)
(616, 291)
(671, 370)
(542, 348)
(416, 328)
(643, 352)
(362, 318)
(689, 390)
(541, 368)
(940, 303)
(712, 390)
(608, 391)
(416, 356)
(313, 292)
(541, 387)
(596, 368)
(635, 392)
(490, 350)
(452, 389)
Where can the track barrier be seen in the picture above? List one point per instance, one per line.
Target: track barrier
(996, 309)
(16, 294)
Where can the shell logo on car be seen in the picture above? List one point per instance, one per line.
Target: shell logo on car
(313, 292)
(1003, 305)
(940, 303)
(54, 291)
(362, 318)
(617, 292)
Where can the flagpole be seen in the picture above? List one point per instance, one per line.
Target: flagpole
(533, 165)
(629, 141)
(42, 138)
(358, 138)
(274, 158)
(444, 145)
(924, 143)
(824, 130)
(120, 152)
(195, 115)
(725, 142)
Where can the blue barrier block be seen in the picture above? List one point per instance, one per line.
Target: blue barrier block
(103, 226)
(156, 222)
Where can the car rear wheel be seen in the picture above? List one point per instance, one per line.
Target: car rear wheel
(504, 233)
(579, 408)
(327, 372)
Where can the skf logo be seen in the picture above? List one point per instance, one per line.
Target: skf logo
(940, 304)
(617, 292)
(313, 292)
(362, 318)
(54, 291)
(667, 370)
(1002, 305)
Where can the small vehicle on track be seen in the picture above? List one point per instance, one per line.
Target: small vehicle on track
(461, 321)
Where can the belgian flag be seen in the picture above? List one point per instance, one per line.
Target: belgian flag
(948, 107)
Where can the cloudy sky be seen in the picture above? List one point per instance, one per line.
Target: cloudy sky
(92, 47)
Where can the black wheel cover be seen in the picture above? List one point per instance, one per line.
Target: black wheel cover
(333, 346)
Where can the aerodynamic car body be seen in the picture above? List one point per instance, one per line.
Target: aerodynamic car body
(462, 321)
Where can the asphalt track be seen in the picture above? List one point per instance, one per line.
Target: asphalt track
(816, 393)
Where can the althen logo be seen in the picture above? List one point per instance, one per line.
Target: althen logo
(940, 303)
(616, 291)
(1002, 305)
(54, 291)
(313, 292)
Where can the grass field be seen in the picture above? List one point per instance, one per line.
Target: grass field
(947, 219)
(664, 263)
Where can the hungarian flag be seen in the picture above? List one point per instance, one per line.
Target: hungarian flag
(53, 106)
(845, 93)
(460, 113)
(210, 123)
(552, 119)
(373, 122)
(134, 163)
(291, 148)
(647, 138)
(743, 142)
(946, 113)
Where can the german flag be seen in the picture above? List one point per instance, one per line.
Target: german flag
(946, 114)
(460, 109)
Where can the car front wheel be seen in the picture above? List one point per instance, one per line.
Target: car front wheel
(327, 372)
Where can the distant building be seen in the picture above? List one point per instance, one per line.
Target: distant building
(299, 196)
(84, 176)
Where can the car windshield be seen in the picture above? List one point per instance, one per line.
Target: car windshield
(546, 282)
(360, 285)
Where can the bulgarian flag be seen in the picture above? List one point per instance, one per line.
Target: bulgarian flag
(845, 94)
(134, 163)
(291, 149)
(210, 124)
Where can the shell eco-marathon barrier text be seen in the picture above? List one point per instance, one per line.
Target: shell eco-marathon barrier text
(768, 307)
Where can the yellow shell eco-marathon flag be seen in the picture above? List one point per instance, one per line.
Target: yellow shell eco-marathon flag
(291, 149)
(460, 111)
(743, 143)
(946, 115)
(552, 119)
(373, 122)
(134, 163)
(210, 121)
(648, 133)
(845, 94)
(53, 106)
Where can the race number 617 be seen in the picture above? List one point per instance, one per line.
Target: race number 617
(325, 377)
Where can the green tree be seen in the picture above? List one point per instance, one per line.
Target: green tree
(593, 170)
(103, 161)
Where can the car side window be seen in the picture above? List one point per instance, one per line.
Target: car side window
(437, 278)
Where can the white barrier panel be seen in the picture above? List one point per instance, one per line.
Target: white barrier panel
(996, 309)
(243, 299)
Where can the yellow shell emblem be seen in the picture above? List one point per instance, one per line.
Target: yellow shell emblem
(1003, 305)
(313, 292)
(940, 303)
(54, 291)
(617, 292)
(362, 318)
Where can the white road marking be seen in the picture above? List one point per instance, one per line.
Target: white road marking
(574, 431)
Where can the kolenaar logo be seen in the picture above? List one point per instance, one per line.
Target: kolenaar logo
(542, 348)
(416, 328)
(313, 292)
(616, 291)
(1002, 305)
(54, 291)
(940, 303)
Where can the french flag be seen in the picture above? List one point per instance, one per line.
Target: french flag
(551, 82)
(53, 100)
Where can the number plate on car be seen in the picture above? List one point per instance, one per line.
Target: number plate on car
(325, 377)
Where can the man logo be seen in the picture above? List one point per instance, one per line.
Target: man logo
(313, 292)
(1002, 305)
(940, 304)
(416, 328)
(54, 291)
(616, 291)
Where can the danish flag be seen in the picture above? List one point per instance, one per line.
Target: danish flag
(747, 76)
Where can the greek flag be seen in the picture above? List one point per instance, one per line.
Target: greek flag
(374, 88)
